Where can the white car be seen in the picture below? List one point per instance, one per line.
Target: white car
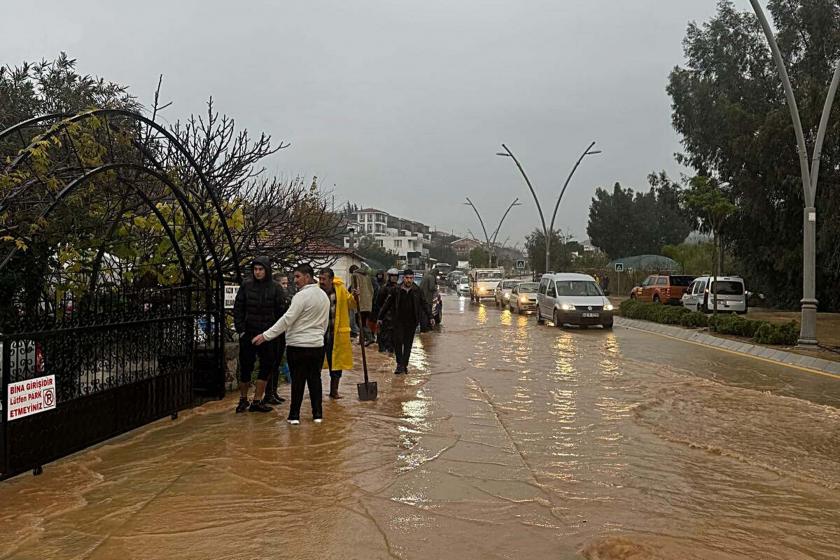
(502, 292)
(573, 299)
(463, 287)
(732, 295)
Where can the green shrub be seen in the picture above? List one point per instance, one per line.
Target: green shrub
(735, 325)
(785, 334)
(724, 323)
(694, 319)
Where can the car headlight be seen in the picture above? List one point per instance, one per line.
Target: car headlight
(567, 307)
(608, 307)
(507, 296)
(523, 299)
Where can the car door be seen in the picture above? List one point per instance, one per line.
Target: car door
(645, 294)
(689, 299)
(550, 299)
(541, 295)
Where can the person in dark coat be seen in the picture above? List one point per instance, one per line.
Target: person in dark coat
(409, 309)
(385, 324)
(259, 303)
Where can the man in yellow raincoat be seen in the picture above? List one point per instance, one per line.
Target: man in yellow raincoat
(339, 352)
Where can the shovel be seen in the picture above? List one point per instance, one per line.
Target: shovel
(367, 390)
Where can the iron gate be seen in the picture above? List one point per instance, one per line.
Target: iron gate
(120, 359)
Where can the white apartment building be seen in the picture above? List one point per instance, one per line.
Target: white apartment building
(405, 238)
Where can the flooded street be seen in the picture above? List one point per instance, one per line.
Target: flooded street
(506, 440)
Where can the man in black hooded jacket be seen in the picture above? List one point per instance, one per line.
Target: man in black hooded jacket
(259, 303)
(408, 308)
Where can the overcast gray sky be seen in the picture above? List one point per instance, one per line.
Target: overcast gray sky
(402, 105)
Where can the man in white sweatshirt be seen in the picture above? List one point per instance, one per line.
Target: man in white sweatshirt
(305, 323)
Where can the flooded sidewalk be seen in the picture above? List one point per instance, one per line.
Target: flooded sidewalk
(506, 440)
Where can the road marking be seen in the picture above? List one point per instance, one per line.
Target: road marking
(760, 358)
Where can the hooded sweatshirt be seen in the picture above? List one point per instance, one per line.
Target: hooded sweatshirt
(259, 303)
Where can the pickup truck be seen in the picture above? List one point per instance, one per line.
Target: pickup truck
(662, 288)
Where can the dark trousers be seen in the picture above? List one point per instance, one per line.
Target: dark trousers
(403, 341)
(248, 357)
(280, 348)
(328, 349)
(305, 367)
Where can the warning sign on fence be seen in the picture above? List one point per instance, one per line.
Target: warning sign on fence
(30, 397)
(230, 295)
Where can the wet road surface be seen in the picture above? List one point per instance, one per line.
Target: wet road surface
(506, 440)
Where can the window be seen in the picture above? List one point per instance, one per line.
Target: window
(397, 242)
(380, 243)
(551, 291)
(648, 281)
(701, 287)
(568, 288)
(692, 288)
(527, 288)
(728, 288)
(543, 286)
(662, 281)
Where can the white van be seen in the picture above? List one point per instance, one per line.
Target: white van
(483, 282)
(731, 294)
(573, 299)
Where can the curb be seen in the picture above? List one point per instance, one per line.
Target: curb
(781, 357)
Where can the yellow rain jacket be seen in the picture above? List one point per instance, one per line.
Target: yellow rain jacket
(342, 355)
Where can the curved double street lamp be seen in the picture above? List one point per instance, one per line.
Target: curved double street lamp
(808, 330)
(491, 239)
(547, 230)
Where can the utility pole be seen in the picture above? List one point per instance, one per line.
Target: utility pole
(491, 239)
(810, 177)
(548, 230)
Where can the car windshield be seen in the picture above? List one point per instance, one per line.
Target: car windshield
(578, 288)
(728, 288)
(528, 288)
(681, 280)
(509, 284)
(488, 276)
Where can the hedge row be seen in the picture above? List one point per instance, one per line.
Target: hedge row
(762, 332)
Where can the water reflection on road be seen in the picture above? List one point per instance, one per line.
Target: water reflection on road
(506, 440)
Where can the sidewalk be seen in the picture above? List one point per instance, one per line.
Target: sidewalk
(703, 338)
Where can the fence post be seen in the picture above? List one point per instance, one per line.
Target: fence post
(5, 359)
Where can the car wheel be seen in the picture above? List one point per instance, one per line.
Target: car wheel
(540, 320)
(557, 323)
(656, 298)
(633, 295)
(608, 326)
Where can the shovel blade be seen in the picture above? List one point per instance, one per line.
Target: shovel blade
(367, 391)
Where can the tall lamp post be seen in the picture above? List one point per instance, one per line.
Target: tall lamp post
(808, 330)
(491, 239)
(548, 230)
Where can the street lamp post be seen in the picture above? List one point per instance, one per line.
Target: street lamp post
(808, 330)
(548, 230)
(491, 240)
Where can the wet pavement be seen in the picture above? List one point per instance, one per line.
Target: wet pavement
(506, 440)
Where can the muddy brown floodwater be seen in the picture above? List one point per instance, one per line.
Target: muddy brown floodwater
(506, 440)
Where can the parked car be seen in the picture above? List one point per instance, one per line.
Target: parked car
(573, 299)
(523, 297)
(662, 288)
(502, 292)
(732, 296)
(463, 287)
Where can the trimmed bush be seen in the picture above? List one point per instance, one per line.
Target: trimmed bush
(694, 319)
(735, 325)
(785, 334)
(762, 332)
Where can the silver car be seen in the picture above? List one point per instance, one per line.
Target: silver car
(502, 292)
(523, 297)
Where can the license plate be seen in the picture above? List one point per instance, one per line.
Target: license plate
(590, 315)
